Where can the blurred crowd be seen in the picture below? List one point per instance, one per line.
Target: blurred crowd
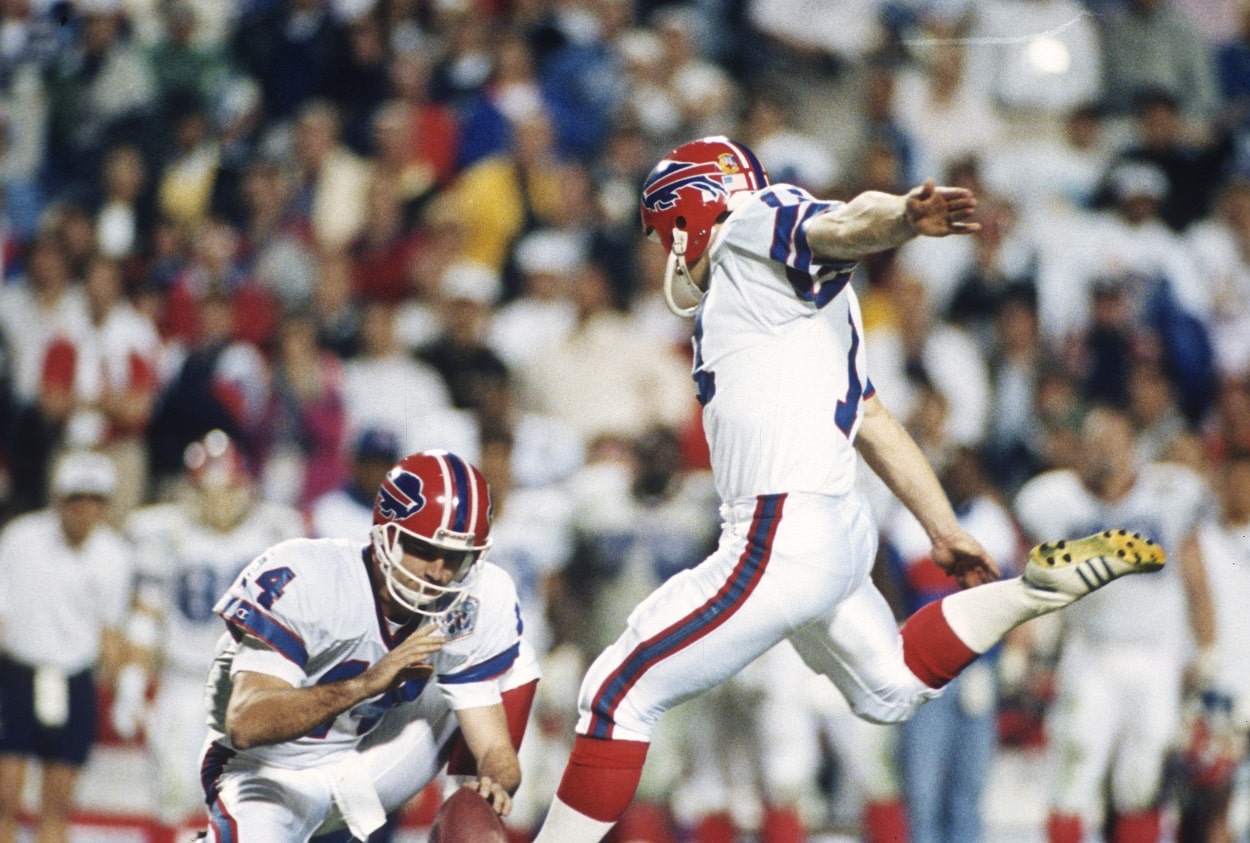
(338, 231)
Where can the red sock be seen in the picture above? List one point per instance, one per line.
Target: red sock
(601, 777)
(715, 828)
(931, 649)
(886, 822)
(644, 822)
(782, 825)
(1138, 827)
(1064, 828)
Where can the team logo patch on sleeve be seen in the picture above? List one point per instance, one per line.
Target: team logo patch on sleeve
(460, 621)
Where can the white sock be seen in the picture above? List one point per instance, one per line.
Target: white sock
(982, 615)
(565, 825)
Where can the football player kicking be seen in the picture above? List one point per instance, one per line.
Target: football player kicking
(780, 369)
(349, 667)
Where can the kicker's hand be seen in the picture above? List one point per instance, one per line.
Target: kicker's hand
(938, 211)
(962, 557)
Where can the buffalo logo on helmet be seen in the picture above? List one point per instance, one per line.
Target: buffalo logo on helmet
(400, 496)
(664, 191)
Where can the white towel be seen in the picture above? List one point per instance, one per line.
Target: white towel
(356, 796)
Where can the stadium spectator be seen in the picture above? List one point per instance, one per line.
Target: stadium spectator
(460, 354)
(187, 552)
(33, 312)
(100, 92)
(291, 48)
(1215, 755)
(385, 386)
(433, 135)
(382, 253)
(1193, 168)
(361, 80)
(125, 211)
(920, 350)
(947, 749)
(347, 511)
(542, 312)
(218, 383)
(939, 106)
(581, 95)
(1037, 58)
(301, 438)
(1148, 44)
(275, 245)
(99, 383)
(215, 267)
(1106, 747)
(627, 386)
(53, 652)
(333, 182)
(1221, 246)
(183, 63)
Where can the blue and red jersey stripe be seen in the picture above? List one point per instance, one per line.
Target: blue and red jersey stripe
(731, 596)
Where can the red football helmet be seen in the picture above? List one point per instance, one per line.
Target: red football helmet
(431, 503)
(688, 192)
(215, 463)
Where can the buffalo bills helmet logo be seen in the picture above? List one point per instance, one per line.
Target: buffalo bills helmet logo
(400, 495)
(663, 191)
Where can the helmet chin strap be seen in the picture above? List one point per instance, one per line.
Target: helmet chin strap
(675, 267)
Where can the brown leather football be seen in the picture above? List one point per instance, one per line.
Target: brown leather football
(466, 817)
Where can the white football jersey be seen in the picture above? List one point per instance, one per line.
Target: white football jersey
(185, 566)
(1226, 557)
(779, 360)
(530, 539)
(341, 514)
(1166, 504)
(311, 603)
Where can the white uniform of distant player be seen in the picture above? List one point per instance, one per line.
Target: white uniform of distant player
(184, 566)
(312, 604)
(1124, 647)
(530, 541)
(341, 513)
(781, 409)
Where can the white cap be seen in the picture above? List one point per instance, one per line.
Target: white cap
(84, 473)
(98, 7)
(1139, 179)
(550, 251)
(470, 281)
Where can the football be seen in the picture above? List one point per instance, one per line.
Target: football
(466, 817)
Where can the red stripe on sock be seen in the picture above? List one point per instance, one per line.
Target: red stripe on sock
(1064, 828)
(931, 649)
(886, 822)
(1138, 827)
(782, 825)
(645, 822)
(602, 776)
(714, 828)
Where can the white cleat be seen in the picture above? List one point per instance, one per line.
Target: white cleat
(1076, 567)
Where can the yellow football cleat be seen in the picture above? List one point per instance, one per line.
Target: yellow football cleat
(1078, 566)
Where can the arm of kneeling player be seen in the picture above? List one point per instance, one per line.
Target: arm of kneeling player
(266, 709)
(485, 730)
